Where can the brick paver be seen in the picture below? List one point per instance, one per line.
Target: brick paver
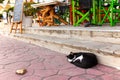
(44, 64)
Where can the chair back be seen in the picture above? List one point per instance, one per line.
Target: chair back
(85, 4)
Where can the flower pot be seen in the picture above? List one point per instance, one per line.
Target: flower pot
(28, 21)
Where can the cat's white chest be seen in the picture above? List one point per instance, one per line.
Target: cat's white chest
(70, 60)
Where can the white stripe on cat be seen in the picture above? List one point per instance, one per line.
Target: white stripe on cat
(79, 58)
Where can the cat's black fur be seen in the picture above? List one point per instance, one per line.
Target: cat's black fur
(87, 60)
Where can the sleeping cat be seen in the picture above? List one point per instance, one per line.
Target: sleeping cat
(82, 59)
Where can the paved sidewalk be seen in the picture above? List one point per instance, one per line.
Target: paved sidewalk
(44, 64)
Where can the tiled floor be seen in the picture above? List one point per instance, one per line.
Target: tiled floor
(44, 64)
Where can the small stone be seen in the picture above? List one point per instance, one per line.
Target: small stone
(21, 71)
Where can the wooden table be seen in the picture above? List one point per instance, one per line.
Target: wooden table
(48, 13)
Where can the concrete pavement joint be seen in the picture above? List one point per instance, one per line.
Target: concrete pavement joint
(5, 66)
(50, 75)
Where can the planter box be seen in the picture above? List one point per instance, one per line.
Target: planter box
(27, 21)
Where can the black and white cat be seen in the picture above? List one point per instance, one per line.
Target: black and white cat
(83, 59)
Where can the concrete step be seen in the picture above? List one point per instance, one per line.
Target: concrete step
(104, 34)
(107, 53)
(103, 41)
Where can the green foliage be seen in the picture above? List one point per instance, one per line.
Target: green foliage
(1, 1)
(64, 12)
(0, 16)
(11, 9)
(28, 9)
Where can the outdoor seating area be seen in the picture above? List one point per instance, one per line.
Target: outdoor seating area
(96, 12)
(87, 12)
(90, 12)
(46, 14)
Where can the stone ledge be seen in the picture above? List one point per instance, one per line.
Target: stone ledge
(99, 47)
(79, 33)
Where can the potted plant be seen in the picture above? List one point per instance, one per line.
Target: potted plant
(29, 12)
(28, 9)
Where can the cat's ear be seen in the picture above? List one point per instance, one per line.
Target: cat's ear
(71, 52)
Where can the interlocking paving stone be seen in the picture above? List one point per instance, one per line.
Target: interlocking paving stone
(31, 78)
(45, 73)
(57, 77)
(72, 71)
